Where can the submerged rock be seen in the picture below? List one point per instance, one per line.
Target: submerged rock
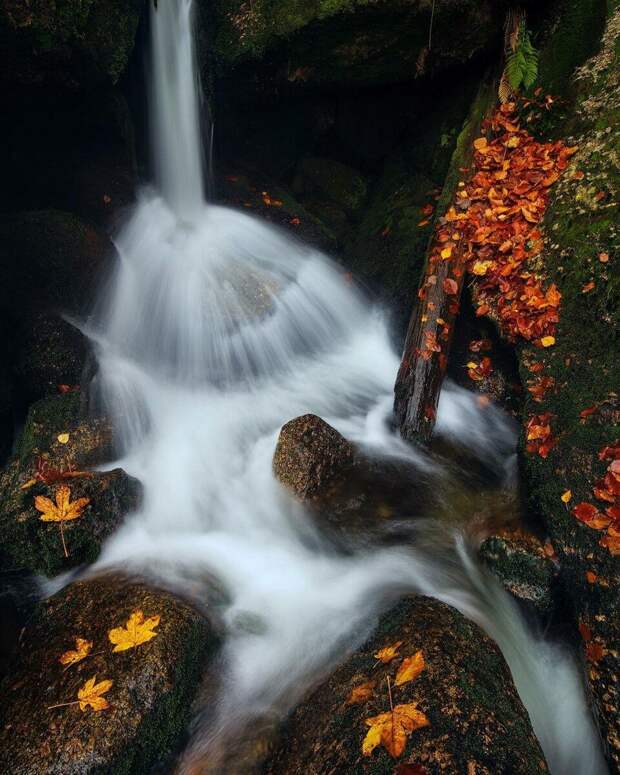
(152, 687)
(477, 722)
(56, 443)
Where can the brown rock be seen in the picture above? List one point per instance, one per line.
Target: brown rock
(311, 457)
(477, 721)
(152, 684)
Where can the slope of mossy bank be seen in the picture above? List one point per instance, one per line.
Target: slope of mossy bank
(581, 255)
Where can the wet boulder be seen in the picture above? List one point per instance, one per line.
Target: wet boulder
(259, 195)
(524, 566)
(50, 353)
(58, 449)
(70, 45)
(474, 719)
(152, 684)
(311, 457)
(355, 497)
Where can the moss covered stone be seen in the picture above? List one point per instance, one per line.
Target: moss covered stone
(390, 245)
(150, 697)
(339, 184)
(28, 542)
(357, 42)
(69, 43)
(581, 224)
(259, 195)
(522, 567)
(473, 726)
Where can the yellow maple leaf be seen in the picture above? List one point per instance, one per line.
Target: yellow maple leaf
(391, 729)
(90, 694)
(361, 693)
(410, 668)
(547, 341)
(82, 649)
(388, 653)
(566, 496)
(64, 509)
(137, 630)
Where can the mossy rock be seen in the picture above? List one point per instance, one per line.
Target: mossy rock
(349, 42)
(29, 543)
(258, 195)
(474, 727)
(581, 223)
(51, 352)
(338, 183)
(50, 260)
(71, 44)
(152, 685)
(520, 564)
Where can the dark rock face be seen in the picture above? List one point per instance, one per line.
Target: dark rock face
(360, 43)
(51, 352)
(35, 545)
(49, 260)
(258, 195)
(522, 567)
(152, 685)
(71, 45)
(477, 721)
(311, 457)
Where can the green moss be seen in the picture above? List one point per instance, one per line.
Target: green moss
(580, 224)
(352, 41)
(569, 40)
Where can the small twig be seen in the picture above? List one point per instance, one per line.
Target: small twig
(63, 704)
(62, 535)
(430, 29)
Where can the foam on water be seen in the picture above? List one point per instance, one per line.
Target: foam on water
(215, 330)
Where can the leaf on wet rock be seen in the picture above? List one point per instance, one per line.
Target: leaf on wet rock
(388, 653)
(138, 630)
(82, 649)
(90, 694)
(361, 693)
(64, 509)
(410, 668)
(392, 728)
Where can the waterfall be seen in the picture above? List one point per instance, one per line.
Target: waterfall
(175, 108)
(215, 330)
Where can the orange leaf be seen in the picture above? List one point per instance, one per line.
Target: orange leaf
(410, 668)
(388, 653)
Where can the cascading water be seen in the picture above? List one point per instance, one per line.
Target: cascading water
(216, 330)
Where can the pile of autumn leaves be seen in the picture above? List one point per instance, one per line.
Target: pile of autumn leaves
(137, 630)
(497, 214)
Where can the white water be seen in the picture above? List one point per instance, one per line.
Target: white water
(215, 330)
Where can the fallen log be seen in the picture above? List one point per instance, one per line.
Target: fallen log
(429, 335)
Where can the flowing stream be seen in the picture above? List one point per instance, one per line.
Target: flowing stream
(216, 329)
